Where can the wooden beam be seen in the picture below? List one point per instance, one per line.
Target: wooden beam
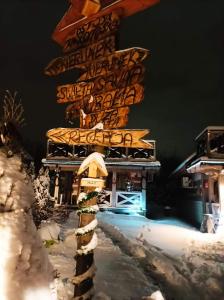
(112, 118)
(116, 61)
(81, 56)
(117, 80)
(130, 138)
(73, 18)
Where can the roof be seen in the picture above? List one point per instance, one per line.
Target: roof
(115, 164)
(73, 18)
(209, 128)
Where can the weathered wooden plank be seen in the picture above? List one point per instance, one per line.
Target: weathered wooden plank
(109, 138)
(117, 80)
(73, 18)
(116, 61)
(116, 98)
(113, 99)
(112, 118)
(92, 32)
(70, 61)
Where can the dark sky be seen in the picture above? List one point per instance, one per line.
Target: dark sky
(184, 81)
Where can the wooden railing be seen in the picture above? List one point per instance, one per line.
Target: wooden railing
(64, 151)
(131, 200)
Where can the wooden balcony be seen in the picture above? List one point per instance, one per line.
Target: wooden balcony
(66, 152)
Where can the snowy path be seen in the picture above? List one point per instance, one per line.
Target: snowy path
(118, 276)
(186, 264)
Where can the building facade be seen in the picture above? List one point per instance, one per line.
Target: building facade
(130, 172)
(201, 179)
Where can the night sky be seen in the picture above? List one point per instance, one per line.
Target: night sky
(184, 81)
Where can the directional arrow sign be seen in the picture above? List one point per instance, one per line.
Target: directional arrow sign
(73, 20)
(92, 32)
(130, 138)
(112, 118)
(117, 80)
(81, 56)
(116, 61)
(113, 99)
(93, 162)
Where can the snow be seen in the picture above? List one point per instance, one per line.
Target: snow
(25, 270)
(89, 247)
(136, 258)
(188, 263)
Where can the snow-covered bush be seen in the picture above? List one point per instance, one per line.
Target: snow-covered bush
(44, 203)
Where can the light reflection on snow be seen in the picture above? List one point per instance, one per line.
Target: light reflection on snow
(38, 294)
(6, 236)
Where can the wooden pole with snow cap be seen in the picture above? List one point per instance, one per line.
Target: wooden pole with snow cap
(86, 237)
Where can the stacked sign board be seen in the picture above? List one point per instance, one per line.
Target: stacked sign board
(110, 82)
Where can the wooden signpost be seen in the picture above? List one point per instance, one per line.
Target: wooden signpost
(130, 138)
(81, 56)
(109, 82)
(86, 238)
(117, 80)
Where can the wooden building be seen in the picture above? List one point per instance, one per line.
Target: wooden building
(201, 179)
(130, 172)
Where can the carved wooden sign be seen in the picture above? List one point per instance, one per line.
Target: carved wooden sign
(93, 182)
(109, 138)
(114, 99)
(90, 53)
(113, 118)
(92, 31)
(73, 20)
(116, 61)
(117, 80)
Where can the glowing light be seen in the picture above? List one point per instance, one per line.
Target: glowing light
(4, 259)
(42, 293)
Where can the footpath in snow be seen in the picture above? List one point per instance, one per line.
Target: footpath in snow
(186, 263)
(136, 257)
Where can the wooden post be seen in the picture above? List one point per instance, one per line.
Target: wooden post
(144, 190)
(114, 188)
(56, 188)
(221, 193)
(86, 238)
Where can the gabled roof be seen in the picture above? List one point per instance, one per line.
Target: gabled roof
(74, 19)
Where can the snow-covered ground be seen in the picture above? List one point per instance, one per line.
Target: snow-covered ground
(136, 257)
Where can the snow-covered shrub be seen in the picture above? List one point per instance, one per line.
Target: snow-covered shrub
(44, 203)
